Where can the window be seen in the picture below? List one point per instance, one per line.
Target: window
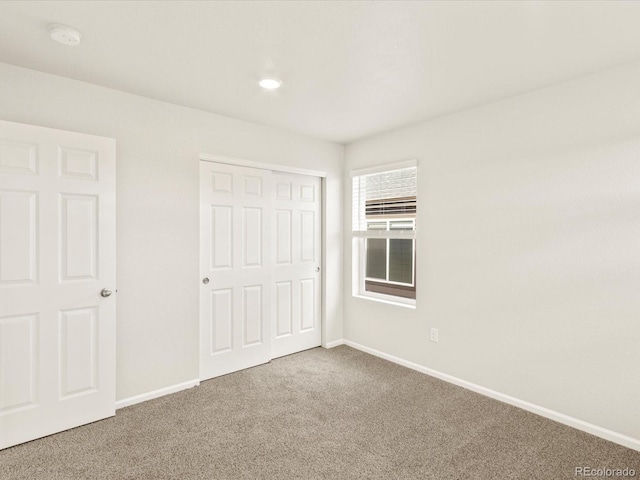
(384, 228)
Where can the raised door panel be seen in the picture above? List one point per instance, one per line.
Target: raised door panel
(307, 193)
(284, 239)
(307, 304)
(283, 190)
(18, 157)
(18, 237)
(78, 350)
(221, 320)
(252, 313)
(222, 237)
(77, 164)
(18, 362)
(252, 186)
(78, 237)
(307, 236)
(222, 183)
(283, 295)
(252, 236)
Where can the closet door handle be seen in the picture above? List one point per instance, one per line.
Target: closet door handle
(205, 280)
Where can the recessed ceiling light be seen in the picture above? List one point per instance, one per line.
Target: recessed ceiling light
(270, 83)
(65, 35)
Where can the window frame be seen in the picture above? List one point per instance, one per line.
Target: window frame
(359, 243)
(388, 239)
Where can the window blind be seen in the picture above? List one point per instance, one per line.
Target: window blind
(383, 195)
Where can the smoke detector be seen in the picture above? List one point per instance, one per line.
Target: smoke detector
(65, 35)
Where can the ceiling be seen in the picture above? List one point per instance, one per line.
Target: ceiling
(350, 69)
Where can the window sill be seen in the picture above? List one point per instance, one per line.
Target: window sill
(387, 301)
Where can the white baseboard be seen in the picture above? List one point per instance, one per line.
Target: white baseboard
(161, 392)
(601, 432)
(335, 343)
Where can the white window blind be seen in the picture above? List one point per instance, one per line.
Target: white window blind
(384, 195)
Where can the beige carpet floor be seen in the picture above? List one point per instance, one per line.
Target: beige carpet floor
(320, 414)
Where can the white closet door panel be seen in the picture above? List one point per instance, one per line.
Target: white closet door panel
(222, 242)
(307, 304)
(236, 260)
(57, 252)
(252, 315)
(221, 321)
(252, 237)
(283, 237)
(284, 309)
(296, 272)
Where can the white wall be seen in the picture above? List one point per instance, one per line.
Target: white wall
(528, 248)
(158, 145)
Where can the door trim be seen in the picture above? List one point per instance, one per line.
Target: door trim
(261, 165)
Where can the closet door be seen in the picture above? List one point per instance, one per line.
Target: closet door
(297, 284)
(57, 277)
(236, 268)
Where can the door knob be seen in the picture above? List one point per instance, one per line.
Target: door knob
(205, 280)
(106, 292)
(317, 269)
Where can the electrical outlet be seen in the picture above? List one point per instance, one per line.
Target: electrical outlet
(433, 334)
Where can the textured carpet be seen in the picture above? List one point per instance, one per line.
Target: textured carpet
(320, 414)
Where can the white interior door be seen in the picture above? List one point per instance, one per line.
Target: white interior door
(296, 273)
(57, 252)
(236, 268)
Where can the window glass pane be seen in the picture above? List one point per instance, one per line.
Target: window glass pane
(377, 258)
(401, 260)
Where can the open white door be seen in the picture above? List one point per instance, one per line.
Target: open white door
(236, 266)
(57, 254)
(297, 282)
